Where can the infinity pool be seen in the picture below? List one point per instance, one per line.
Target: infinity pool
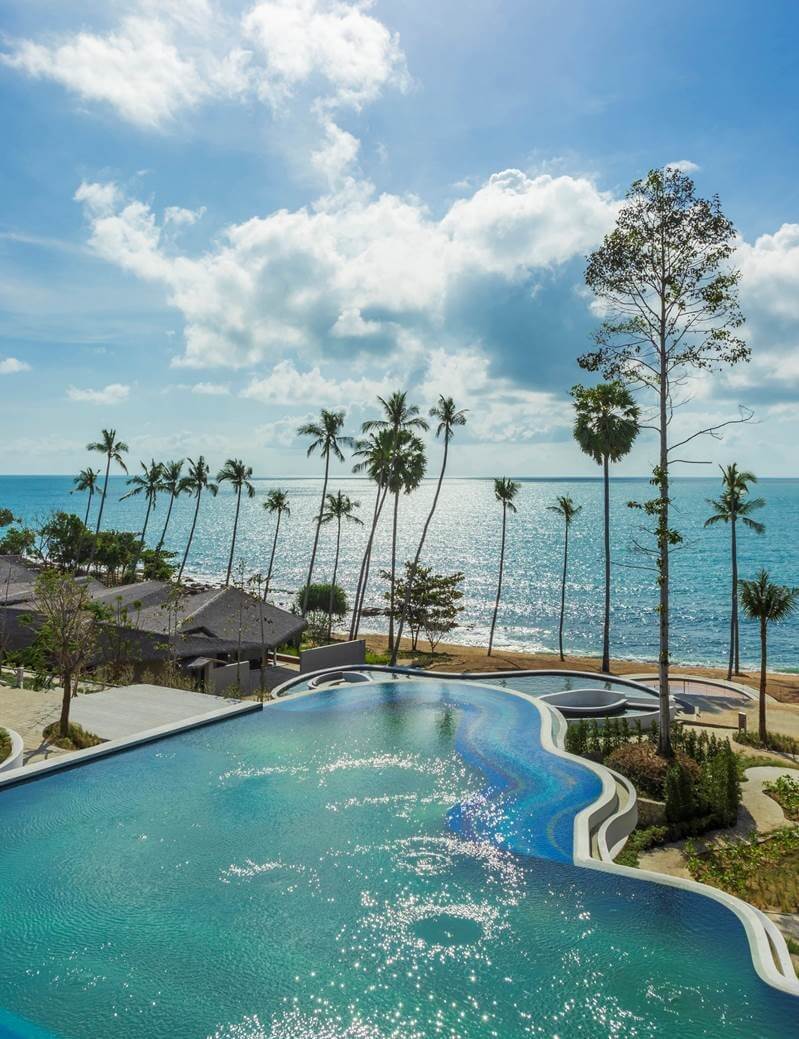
(388, 861)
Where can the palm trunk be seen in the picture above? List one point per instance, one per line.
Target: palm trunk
(367, 560)
(763, 670)
(735, 649)
(63, 723)
(262, 673)
(99, 514)
(140, 549)
(160, 544)
(391, 646)
(606, 624)
(191, 535)
(731, 664)
(366, 551)
(233, 539)
(409, 583)
(499, 582)
(316, 537)
(664, 728)
(333, 582)
(563, 590)
(88, 509)
(272, 558)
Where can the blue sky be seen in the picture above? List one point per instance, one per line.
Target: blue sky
(218, 217)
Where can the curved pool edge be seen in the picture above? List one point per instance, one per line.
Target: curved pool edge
(770, 955)
(606, 820)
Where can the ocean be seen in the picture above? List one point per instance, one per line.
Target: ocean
(465, 536)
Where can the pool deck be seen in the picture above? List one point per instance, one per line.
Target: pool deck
(113, 714)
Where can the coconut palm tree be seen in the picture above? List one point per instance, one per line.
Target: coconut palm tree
(339, 508)
(277, 503)
(238, 475)
(149, 484)
(448, 418)
(766, 603)
(86, 480)
(376, 453)
(113, 450)
(408, 467)
(606, 425)
(505, 491)
(733, 506)
(173, 484)
(327, 439)
(567, 510)
(197, 481)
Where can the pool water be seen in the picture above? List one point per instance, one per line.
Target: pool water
(389, 861)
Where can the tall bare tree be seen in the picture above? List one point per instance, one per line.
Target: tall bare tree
(664, 279)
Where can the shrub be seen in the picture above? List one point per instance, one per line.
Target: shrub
(5, 745)
(762, 871)
(319, 599)
(76, 739)
(679, 794)
(784, 790)
(776, 741)
(641, 763)
(641, 840)
(720, 791)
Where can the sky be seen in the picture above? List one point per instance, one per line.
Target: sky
(218, 217)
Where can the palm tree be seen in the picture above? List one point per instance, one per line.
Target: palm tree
(238, 475)
(448, 418)
(408, 467)
(565, 508)
(505, 491)
(277, 502)
(339, 507)
(173, 484)
(197, 481)
(148, 484)
(376, 453)
(731, 507)
(398, 417)
(605, 427)
(327, 439)
(113, 450)
(766, 602)
(86, 480)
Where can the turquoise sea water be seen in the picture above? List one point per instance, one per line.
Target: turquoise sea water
(465, 536)
(382, 864)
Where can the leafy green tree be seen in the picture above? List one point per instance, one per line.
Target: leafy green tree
(505, 491)
(318, 599)
(69, 630)
(67, 539)
(174, 484)
(197, 481)
(326, 438)
(767, 603)
(18, 541)
(449, 417)
(115, 552)
(7, 517)
(567, 510)
(605, 427)
(239, 476)
(375, 454)
(434, 601)
(148, 484)
(733, 506)
(339, 508)
(113, 450)
(664, 278)
(277, 503)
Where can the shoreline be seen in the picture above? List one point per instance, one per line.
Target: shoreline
(449, 656)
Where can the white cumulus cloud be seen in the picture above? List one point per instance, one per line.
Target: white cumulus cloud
(113, 393)
(12, 365)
